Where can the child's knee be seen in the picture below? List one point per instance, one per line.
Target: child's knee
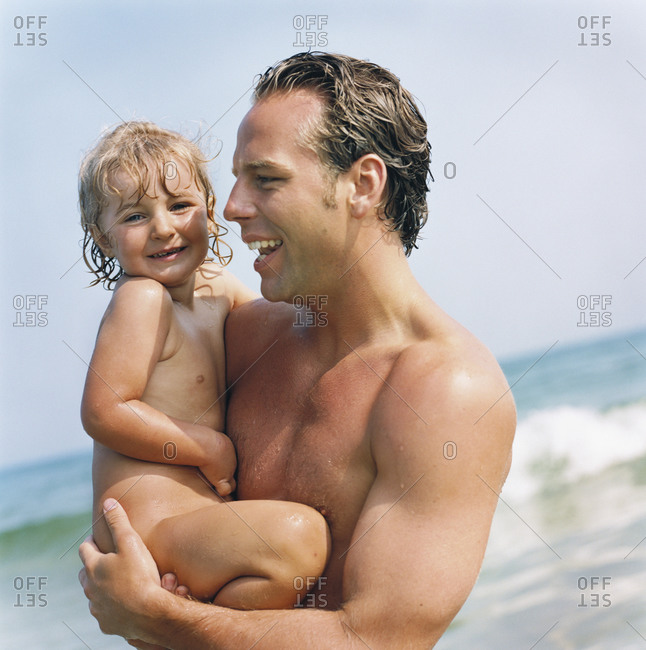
(308, 537)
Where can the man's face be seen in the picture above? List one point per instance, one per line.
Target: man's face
(281, 200)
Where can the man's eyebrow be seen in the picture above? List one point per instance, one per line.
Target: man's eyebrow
(263, 163)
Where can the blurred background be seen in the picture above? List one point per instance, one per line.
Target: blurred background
(535, 242)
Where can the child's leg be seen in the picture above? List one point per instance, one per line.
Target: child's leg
(215, 547)
(248, 554)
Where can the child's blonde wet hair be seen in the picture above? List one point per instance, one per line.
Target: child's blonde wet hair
(137, 148)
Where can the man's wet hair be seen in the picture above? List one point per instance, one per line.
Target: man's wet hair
(366, 110)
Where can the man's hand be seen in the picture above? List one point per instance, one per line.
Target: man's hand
(119, 584)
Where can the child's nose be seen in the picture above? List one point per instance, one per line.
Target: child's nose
(163, 226)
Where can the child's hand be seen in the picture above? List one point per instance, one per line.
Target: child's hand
(219, 472)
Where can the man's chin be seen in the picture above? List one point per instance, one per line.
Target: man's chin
(272, 291)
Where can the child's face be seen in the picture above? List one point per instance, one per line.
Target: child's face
(162, 237)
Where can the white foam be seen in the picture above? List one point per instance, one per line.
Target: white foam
(570, 442)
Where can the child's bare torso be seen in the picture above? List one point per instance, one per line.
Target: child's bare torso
(188, 383)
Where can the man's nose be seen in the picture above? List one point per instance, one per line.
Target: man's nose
(239, 205)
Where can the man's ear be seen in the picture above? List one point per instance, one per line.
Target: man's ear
(369, 175)
(102, 241)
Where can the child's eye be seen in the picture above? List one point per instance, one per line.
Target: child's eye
(178, 207)
(133, 217)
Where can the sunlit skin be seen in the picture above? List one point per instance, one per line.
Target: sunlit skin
(352, 418)
(151, 404)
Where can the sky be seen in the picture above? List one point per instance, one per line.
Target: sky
(536, 117)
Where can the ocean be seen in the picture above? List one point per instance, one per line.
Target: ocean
(566, 562)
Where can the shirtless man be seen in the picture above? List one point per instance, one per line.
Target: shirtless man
(354, 414)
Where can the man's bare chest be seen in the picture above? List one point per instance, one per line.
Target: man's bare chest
(302, 437)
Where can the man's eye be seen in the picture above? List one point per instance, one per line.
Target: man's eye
(263, 180)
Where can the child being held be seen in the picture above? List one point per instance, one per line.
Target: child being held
(152, 394)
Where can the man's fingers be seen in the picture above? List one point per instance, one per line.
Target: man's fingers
(87, 550)
(118, 522)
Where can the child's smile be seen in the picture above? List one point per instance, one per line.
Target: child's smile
(161, 235)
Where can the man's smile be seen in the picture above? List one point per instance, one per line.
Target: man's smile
(265, 246)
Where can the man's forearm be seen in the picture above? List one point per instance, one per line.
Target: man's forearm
(190, 625)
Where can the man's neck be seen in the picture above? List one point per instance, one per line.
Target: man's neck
(373, 302)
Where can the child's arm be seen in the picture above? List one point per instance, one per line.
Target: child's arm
(239, 292)
(133, 337)
(216, 280)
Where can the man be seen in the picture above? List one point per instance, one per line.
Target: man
(351, 391)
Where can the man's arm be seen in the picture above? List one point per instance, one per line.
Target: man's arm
(132, 338)
(416, 550)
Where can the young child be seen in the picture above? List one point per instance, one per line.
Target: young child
(154, 395)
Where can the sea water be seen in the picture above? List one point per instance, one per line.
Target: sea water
(566, 562)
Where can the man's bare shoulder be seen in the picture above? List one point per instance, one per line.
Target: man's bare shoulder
(447, 386)
(451, 355)
(254, 327)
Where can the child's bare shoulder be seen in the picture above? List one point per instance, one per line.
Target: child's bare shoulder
(147, 290)
(140, 306)
(136, 298)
